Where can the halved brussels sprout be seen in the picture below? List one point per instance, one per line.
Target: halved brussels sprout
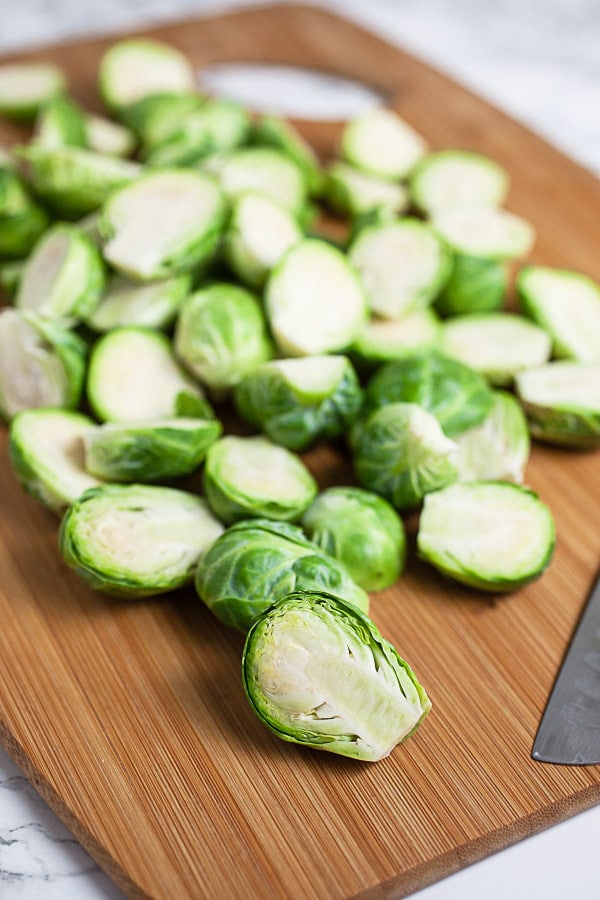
(133, 374)
(362, 530)
(148, 450)
(496, 344)
(401, 452)
(498, 448)
(26, 87)
(259, 233)
(475, 286)
(485, 232)
(385, 340)
(272, 131)
(562, 402)
(452, 179)
(137, 540)
(489, 535)
(46, 451)
(382, 143)
(60, 123)
(250, 477)
(20, 233)
(454, 393)
(299, 401)
(567, 305)
(64, 276)
(14, 196)
(403, 266)
(108, 137)
(317, 672)
(351, 192)
(266, 170)
(139, 67)
(218, 125)
(259, 561)
(153, 304)
(73, 182)
(314, 300)
(142, 242)
(157, 117)
(42, 363)
(221, 335)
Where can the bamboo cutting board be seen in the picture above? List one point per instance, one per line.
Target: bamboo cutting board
(130, 718)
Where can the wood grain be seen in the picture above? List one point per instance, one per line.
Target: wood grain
(130, 717)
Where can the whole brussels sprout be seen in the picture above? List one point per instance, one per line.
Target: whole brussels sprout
(258, 561)
(363, 531)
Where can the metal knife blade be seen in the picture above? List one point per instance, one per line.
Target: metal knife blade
(569, 733)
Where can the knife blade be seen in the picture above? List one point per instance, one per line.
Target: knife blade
(569, 732)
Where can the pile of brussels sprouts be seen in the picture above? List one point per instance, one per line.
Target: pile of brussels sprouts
(168, 264)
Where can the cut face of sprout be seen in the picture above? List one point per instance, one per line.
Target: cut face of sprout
(402, 265)
(350, 191)
(496, 344)
(267, 171)
(26, 87)
(260, 232)
(382, 143)
(312, 376)
(388, 339)
(562, 402)
(567, 305)
(133, 69)
(488, 233)
(498, 449)
(153, 304)
(314, 300)
(454, 179)
(108, 137)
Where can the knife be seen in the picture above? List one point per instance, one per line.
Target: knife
(569, 733)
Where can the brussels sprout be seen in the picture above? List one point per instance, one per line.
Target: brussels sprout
(108, 137)
(299, 401)
(20, 233)
(363, 531)
(218, 125)
(221, 335)
(401, 452)
(384, 340)
(454, 179)
(259, 233)
(317, 672)
(266, 170)
(10, 276)
(489, 535)
(73, 182)
(454, 393)
(153, 304)
(144, 243)
(496, 344)
(148, 450)
(567, 305)
(259, 561)
(133, 374)
(155, 118)
(137, 68)
(350, 192)
(475, 285)
(382, 143)
(137, 540)
(403, 266)
(249, 477)
(14, 196)
(498, 448)
(42, 363)
(60, 123)
(314, 300)
(272, 131)
(46, 451)
(63, 277)
(562, 402)
(26, 87)
(485, 232)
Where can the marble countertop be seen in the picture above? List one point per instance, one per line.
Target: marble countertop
(537, 60)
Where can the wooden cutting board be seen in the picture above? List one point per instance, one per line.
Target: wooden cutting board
(129, 717)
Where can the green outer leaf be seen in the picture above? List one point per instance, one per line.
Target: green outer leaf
(463, 566)
(266, 399)
(157, 117)
(455, 394)
(422, 333)
(272, 131)
(19, 234)
(257, 561)
(475, 285)
(363, 531)
(15, 198)
(60, 123)
(562, 422)
(148, 451)
(363, 638)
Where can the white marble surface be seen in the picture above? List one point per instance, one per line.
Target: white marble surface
(536, 59)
